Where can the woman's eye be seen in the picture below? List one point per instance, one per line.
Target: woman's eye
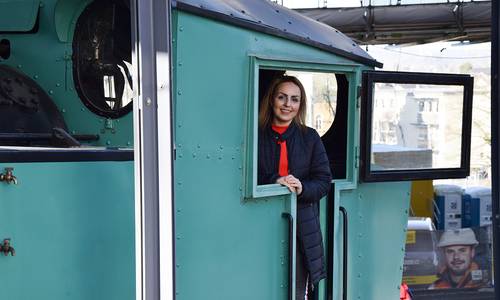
(295, 99)
(281, 97)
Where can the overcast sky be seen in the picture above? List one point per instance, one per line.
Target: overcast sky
(349, 3)
(318, 3)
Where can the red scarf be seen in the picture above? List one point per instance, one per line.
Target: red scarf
(283, 166)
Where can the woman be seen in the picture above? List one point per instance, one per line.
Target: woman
(292, 154)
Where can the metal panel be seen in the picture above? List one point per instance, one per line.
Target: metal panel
(378, 215)
(154, 151)
(218, 234)
(273, 19)
(72, 227)
(18, 15)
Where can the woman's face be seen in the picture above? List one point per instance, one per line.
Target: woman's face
(286, 103)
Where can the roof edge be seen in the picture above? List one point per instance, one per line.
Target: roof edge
(272, 31)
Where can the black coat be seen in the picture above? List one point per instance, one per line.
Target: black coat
(307, 161)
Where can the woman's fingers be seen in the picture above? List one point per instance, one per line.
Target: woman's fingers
(297, 185)
(284, 181)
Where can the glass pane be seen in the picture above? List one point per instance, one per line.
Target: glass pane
(416, 126)
(321, 91)
(448, 259)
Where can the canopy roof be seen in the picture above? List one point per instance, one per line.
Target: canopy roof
(270, 18)
(416, 23)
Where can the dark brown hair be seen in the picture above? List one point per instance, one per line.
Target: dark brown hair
(266, 104)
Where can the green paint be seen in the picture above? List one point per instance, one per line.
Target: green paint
(52, 68)
(377, 215)
(233, 242)
(66, 12)
(18, 15)
(72, 226)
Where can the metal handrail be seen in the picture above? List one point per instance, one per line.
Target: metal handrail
(289, 217)
(344, 254)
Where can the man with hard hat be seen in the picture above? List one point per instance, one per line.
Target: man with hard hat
(460, 271)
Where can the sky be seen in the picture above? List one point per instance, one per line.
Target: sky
(347, 3)
(319, 3)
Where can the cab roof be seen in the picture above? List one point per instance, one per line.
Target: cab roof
(271, 18)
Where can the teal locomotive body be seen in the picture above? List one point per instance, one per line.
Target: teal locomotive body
(72, 217)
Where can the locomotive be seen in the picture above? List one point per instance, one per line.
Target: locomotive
(86, 85)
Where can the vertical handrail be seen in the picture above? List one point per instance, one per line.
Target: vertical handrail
(289, 217)
(344, 254)
(330, 242)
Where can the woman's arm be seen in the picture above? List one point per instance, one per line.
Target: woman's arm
(318, 183)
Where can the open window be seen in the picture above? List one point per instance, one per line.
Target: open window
(102, 58)
(327, 92)
(415, 126)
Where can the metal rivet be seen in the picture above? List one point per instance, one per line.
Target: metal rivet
(148, 101)
(108, 142)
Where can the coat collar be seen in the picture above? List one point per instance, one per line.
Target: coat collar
(289, 131)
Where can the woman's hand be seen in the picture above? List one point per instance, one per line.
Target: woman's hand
(293, 184)
(282, 181)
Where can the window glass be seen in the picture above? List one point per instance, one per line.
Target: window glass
(410, 132)
(102, 58)
(434, 259)
(321, 90)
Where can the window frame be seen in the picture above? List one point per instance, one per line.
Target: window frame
(368, 80)
(250, 162)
